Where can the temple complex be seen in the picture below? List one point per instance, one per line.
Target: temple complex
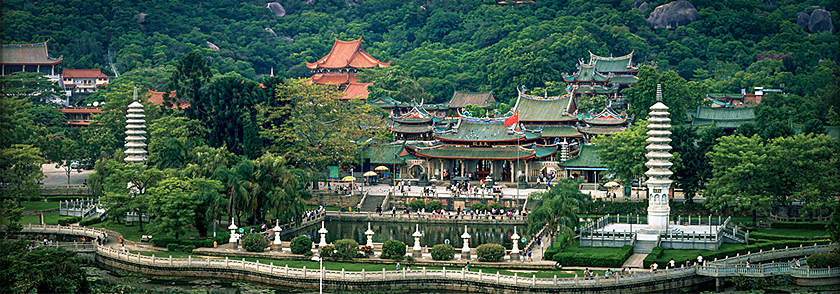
(83, 80)
(29, 58)
(166, 99)
(603, 75)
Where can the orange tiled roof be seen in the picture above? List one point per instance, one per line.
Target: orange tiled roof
(26, 54)
(157, 98)
(84, 73)
(356, 90)
(347, 54)
(334, 78)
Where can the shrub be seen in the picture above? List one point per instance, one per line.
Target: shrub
(327, 251)
(417, 204)
(769, 236)
(346, 249)
(478, 206)
(186, 248)
(801, 226)
(490, 252)
(824, 260)
(172, 247)
(393, 249)
(587, 259)
(367, 251)
(495, 205)
(723, 253)
(68, 220)
(90, 221)
(434, 205)
(443, 252)
(301, 245)
(254, 242)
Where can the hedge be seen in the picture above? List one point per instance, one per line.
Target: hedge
(221, 238)
(594, 260)
(346, 249)
(417, 204)
(326, 251)
(90, 221)
(478, 206)
(824, 260)
(301, 245)
(434, 205)
(723, 253)
(254, 242)
(490, 252)
(442, 252)
(68, 220)
(768, 236)
(801, 226)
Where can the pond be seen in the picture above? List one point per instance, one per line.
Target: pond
(432, 233)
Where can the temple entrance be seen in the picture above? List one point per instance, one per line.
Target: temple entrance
(547, 174)
(483, 168)
(506, 172)
(415, 171)
(456, 170)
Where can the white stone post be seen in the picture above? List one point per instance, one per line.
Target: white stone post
(369, 234)
(323, 233)
(465, 251)
(278, 245)
(514, 253)
(418, 250)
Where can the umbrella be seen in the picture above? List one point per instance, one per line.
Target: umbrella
(381, 168)
(349, 179)
(460, 179)
(611, 184)
(369, 174)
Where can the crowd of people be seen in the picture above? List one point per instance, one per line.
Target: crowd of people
(458, 213)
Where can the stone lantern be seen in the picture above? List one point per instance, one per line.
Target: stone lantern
(277, 230)
(418, 251)
(323, 232)
(514, 253)
(369, 234)
(465, 251)
(233, 237)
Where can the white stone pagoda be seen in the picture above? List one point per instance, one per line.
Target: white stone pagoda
(135, 132)
(658, 164)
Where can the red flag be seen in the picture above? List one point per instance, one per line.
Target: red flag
(512, 119)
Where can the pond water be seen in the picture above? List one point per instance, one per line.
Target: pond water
(432, 233)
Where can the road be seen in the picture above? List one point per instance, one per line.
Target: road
(58, 177)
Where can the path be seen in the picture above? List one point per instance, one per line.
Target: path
(637, 260)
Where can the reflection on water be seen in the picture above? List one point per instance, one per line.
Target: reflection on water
(432, 233)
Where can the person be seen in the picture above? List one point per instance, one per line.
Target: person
(655, 266)
(467, 266)
(797, 263)
(529, 256)
(672, 263)
(586, 274)
(699, 259)
(398, 266)
(748, 262)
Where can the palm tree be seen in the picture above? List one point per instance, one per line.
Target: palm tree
(237, 182)
(557, 209)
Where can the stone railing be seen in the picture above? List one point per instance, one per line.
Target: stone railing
(714, 268)
(399, 216)
(790, 219)
(60, 190)
(774, 254)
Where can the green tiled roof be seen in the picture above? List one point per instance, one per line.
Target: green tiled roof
(385, 154)
(469, 131)
(723, 117)
(459, 152)
(543, 151)
(411, 129)
(599, 130)
(462, 99)
(534, 110)
(560, 131)
(612, 64)
(624, 79)
(725, 95)
(587, 157)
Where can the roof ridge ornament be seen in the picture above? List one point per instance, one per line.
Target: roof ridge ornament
(658, 93)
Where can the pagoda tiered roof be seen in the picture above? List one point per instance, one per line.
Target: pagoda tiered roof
(337, 78)
(347, 54)
(417, 115)
(462, 99)
(537, 109)
(606, 117)
(27, 54)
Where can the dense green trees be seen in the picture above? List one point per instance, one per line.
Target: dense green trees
(624, 153)
(41, 269)
(557, 208)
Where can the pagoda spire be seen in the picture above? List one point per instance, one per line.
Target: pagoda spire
(135, 131)
(658, 164)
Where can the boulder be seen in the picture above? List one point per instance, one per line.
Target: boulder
(644, 6)
(673, 14)
(819, 21)
(140, 18)
(802, 19)
(212, 46)
(276, 9)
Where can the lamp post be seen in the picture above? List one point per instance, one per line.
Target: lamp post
(465, 251)
(514, 252)
(323, 232)
(417, 248)
(369, 234)
(233, 237)
(277, 230)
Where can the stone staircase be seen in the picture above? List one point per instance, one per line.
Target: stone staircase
(635, 261)
(371, 202)
(645, 242)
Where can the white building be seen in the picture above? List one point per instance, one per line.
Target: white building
(83, 80)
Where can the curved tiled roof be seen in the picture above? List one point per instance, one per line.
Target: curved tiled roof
(612, 64)
(334, 78)
(27, 54)
(356, 90)
(551, 109)
(462, 152)
(471, 131)
(347, 54)
(462, 99)
(84, 73)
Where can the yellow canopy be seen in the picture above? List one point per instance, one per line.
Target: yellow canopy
(349, 179)
(381, 168)
(370, 174)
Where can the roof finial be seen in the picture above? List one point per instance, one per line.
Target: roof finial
(135, 93)
(658, 93)
(272, 71)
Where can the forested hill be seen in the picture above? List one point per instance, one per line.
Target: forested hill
(445, 45)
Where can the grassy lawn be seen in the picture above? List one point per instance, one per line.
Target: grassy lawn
(681, 255)
(593, 251)
(129, 232)
(368, 267)
(50, 218)
(39, 205)
(797, 233)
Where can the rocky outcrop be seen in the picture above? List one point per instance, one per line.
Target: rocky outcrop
(818, 20)
(140, 18)
(672, 15)
(212, 46)
(642, 6)
(276, 9)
